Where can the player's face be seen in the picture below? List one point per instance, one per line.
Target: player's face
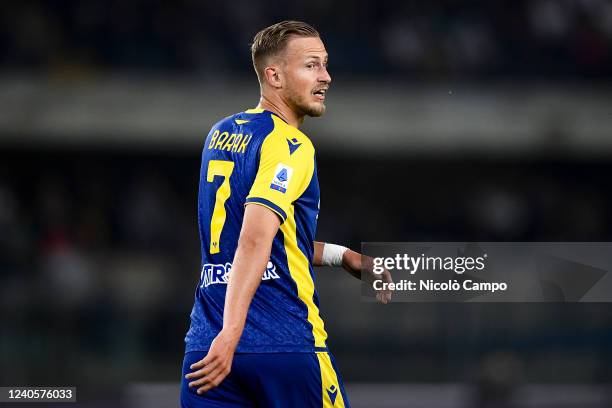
(306, 76)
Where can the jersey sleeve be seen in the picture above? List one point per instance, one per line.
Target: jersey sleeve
(285, 168)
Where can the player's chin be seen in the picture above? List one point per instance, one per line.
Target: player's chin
(316, 109)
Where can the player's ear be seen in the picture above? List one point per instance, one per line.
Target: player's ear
(273, 76)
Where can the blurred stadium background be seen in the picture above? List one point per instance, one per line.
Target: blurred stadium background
(447, 120)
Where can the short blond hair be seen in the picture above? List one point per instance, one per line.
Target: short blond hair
(271, 41)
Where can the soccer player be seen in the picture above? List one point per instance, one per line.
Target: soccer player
(256, 310)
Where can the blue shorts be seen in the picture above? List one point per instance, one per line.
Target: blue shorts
(270, 380)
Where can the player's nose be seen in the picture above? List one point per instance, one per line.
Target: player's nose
(325, 77)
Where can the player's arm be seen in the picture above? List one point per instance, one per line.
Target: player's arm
(258, 230)
(326, 254)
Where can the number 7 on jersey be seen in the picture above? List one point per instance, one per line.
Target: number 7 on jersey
(219, 168)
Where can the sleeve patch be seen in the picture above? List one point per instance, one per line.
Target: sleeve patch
(282, 177)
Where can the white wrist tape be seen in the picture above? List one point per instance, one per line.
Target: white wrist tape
(332, 254)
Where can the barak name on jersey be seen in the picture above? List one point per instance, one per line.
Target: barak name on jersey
(254, 157)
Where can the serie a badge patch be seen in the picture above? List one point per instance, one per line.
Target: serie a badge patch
(282, 177)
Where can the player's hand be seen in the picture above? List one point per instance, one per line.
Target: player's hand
(353, 262)
(212, 369)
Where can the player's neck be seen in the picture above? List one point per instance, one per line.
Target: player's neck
(280, 109)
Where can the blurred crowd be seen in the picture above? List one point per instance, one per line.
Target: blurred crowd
(98, 259)
(505, 38)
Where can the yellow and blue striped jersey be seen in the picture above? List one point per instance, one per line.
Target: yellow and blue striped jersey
(254, 157)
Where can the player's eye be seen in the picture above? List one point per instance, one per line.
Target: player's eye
(310, 65)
